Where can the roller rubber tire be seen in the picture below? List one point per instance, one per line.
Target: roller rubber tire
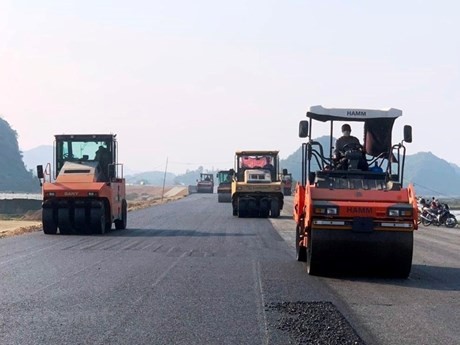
(48, 222)
(65, 227)
(97, 220)
(120, 224)
(274, 208)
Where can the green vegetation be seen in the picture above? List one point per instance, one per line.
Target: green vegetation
(13, 174)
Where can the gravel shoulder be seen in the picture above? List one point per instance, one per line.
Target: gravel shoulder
(139, 197)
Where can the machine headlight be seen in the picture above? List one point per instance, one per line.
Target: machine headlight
(51, 194)
(92, 193)
(332, 210)
(326, 210)
(393, 213)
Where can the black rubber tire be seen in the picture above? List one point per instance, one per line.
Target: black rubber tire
(252, 208)
(264, 208)
(301, 251)
(97, 220)
(242, 208)
(120, 224)
(80, 220)
(274, 208)
(65, 227)
(107, 216)
(426, 222)
(48, 221)
(451, 221)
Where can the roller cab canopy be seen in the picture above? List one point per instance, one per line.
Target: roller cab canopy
(378, 124)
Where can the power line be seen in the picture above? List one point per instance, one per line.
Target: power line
(429, 189)
(200, 163)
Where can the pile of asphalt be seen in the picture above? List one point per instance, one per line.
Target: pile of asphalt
(314, 323)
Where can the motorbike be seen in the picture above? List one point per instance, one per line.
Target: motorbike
(438, 217)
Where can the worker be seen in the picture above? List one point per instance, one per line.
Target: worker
(102, 155)
(345, 143)
(269, 164)
(345, 139)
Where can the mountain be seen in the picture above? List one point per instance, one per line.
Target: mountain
(40, 155)
(430, 175)
(155, 178)
(44, 154)
(293, 162)
(14, 176)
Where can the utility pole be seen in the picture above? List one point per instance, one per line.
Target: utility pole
(164, 180)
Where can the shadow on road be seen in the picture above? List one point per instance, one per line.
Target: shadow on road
(172, 233)
(426, 277)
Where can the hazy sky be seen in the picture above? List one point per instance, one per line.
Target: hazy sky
(196, 80)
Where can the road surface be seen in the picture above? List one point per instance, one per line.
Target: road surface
(188, 272)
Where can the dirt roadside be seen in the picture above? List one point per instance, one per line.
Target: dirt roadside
(138, 197)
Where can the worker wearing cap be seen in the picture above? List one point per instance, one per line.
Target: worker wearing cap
(345, 139)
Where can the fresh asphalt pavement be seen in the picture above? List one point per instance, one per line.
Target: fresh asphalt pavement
(188, 272)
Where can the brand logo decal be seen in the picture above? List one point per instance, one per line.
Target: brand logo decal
(359, 210)
(70, 193)
(356, 113)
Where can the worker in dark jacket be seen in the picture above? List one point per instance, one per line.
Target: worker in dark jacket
(345, 139)
(103, 156)
(345, 143)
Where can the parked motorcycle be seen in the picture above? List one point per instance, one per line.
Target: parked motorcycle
(438, 217)
(425, 215)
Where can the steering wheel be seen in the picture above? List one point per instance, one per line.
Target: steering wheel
(67, 156)
(352, 147)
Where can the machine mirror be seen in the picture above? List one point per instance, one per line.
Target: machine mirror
(40, 171)
(303, 129)
(408, 134)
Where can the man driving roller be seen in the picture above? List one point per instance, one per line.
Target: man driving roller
(345, 139)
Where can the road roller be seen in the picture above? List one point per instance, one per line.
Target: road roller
(224, 188)
(85, 191)
(256, 184)
(352, 211)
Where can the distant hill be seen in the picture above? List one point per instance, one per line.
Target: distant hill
(151, 178)
(156, 177)
(293, 162)
(44, 154)
(14, 176)
(432, 176)
(40, 155)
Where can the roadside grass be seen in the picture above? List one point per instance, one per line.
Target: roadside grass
(138, 197)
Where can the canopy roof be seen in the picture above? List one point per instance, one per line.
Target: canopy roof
(257, 153)
(86, 137)
(320, 113)
(378, 125)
